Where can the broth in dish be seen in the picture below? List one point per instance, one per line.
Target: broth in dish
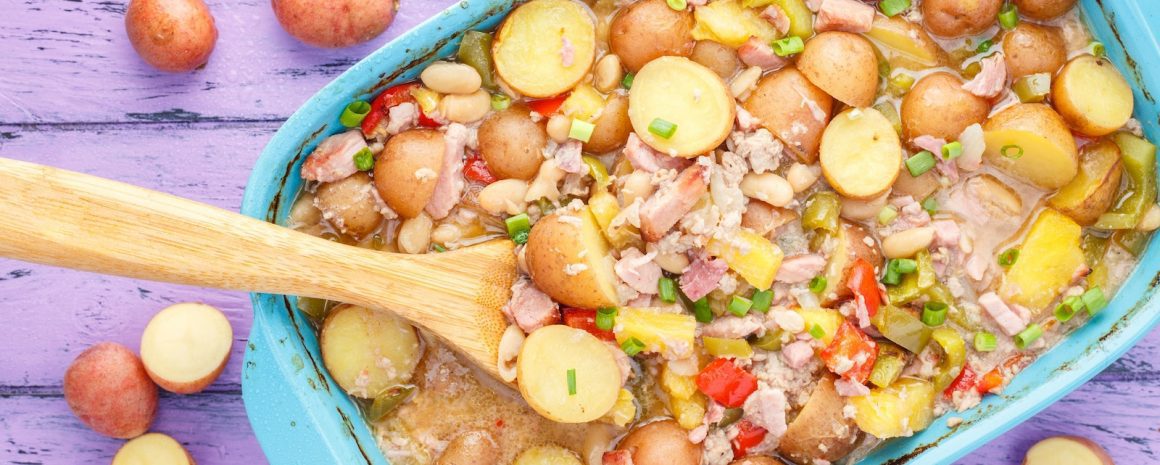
(748, 231)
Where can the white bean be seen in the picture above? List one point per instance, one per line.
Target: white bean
(558, 128)
(637, 185)
(451, 78)
(671, 262)
(745, 82)
(509, 348)
(861, 210)
(546, 184)
(608, 73)
(1151, 220)
(800, 177)
(465, 108)
(304, 212)
(904, 244)
(446, 233)
(504, 196)
(415, 234)
(767, 187)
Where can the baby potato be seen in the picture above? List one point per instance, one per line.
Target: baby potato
(1032, 49)
(368, 351)
(567, 374)
(1067, 449)
(512, 144)
(1030, 141)
(1092, 96)
(568, 259)
(407, 170)
(612, 126)
(717, 57)
(1043, 9)
(908, 42)
(842, 64)
(171, 35)
(997, 198)
(334, 23)
(661, 442)
(757, 460)
(476, 447)
(918, 188)
(152, 449)
(648, 29)
(545, 47)
(349, 205)
(793, 109)
(1094, 188)
(821, 432)
(185, 347)
(108, 389)
(937, 106)
(860, 153)
(686, 94)
(956, 18)
(851, 245)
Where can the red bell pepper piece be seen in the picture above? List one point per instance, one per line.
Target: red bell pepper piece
(547, 106)
(389, 98)
(851, 345)
(991, 380)
(863, 283)
(967, 380)
(582, 318)
(726, 383)
(748, 436)
(476, 170)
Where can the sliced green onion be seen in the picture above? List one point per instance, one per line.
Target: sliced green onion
(500, 102)
(762, 300)
(892, 277)
(1008, 257)
(518, 227)
(1032, 88)
(900, 83)
(920, 163)
(354, 113)
(1068, 308)
(439, 248)
(934, 313)
(952, 150)
(986, 342)
(632, 346)
(667, 289)
(930, 205)
(606, 318)
(893, 7)
(1008, 16)
(788, 46)
(627, 81)
(662, 128)
(1094, 300)
(678, 5)
(364, 160)
(1013, 152)
(571, 381)
(884, 69)
(1028, 336)
(887, 215)
(701, 310)
(818, 284)
(739, 306)
(984, 46)
(904, 265)
(581, 130)
(817, 332)
(1098, 49)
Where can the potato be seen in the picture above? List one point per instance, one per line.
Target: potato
(612, 126)
(407, 170)
(850, 246)
(648, 29)
(476, 447)
(334, 23)
(908, 42)
(793, 109)
(860, 153)
(764, 218)
(863, 210)
(956, 18)
(717, 57)
(904, 407)
(349, 205)
(732, 23)
(568, 259)
(547, 455)
(937, 106)
(820, 431)
(554, 354)
(842, 64)
(1049, 256)
(367, 351)
(512, 144)
(152, 449)
(185, 347)
(917, 188)
(171, 35)
(1072, 450)
(686, 94)
(1030, 141)
(107, 388)
(994, 196)
(1092, 96)
(661, 442)
(757, 460)
(529, 47)
(1043, 9)
(1032, 49)
(1092, 191)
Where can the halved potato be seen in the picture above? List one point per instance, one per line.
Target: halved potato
(648, 29)
(368, 351)
(152, 449)
(1031, 49)
(407, 170)
(860, 154)
(185, 347)
(1067, 449)
(793, 109)
(1092, 96)
(994, 196)
(682, 92)
(904, 407)
(821, 432)
(1092, 191)
(842, 64)
(906, 41)
(568, 259)
(545, 47)
(612, 126)
(1048, 258)
(850, 246)
(1031, 142)
(938, 106)
(512, 144)
(567, 374)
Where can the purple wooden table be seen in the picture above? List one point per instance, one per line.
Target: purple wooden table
(74, 95)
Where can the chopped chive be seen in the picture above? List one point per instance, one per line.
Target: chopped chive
(986, 342)
(701, 310)
(667, 289)
(1094, 300)
(1028, 336)
(892, 277)
(893, 7)
(952, 150)
(739, 306)
(364, 160)
(518, 227)
(1008, 16)
(930, 205)
(887, 215)
(500, 102)
(984, 46)
(934, 313)
(817, 332)
(571, 381)
(627, 81)
(904, 265)
(1012, 151)
(632, 346)
(581, 130)
(1098, 49)
(678, 5)
(920, 163)
(354, 113)
(606, 318)
(662, 128)
(818, 284)
(1008, 257)
(762, 300)
(439, 248)
(1064, 312)
(788, 46)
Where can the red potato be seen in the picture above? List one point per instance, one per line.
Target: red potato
(153, 449)
(1067, 450)
(185, 347)
(107, 388)
(171, 35)
(334, 23)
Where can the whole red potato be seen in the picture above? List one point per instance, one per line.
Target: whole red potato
(334, 23)
(108, 389)
(171, 35)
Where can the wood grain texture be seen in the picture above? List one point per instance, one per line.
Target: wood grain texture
(73, 95)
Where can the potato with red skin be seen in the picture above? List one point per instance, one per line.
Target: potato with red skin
(661, 443)
(757, 460)
(1032, 49)
(956, 18)
(512, 144)
(785, 102)
(1044, 10)
(648, 29)
(612, 126)
(171, 35)
(108, 389)
(1060, 450)
(842, 64)
(153, 449)
(334, 23)
(820, 432)
(407, 170)
(937, 106)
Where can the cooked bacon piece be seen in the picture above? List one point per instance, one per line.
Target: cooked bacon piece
(1010, 321)
(797, 354)
(644, 158)
(702, 277)
(530, 308)
(449, 186)
(844, 15)
(669, 204)
(333, 159)
(991, 80)
(638, 270)
(755, 52)
(402, 117)
(777, 17)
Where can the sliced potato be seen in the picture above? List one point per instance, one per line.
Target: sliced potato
(906, 40)
(860, 153)
(1092, 191)
(152, 449)
(407, 170)
(1031, 49)
(367, 351)
(1072, 450)
(842, 64)
(530, 45)
(568, 259)
(1031, 142)
(938, 106)
(994, 196)
(1092, 96)
(186, 346)
(821, 431)
(1048, 258)
(730, 23)
(648, 29)
(793, 109)
(512, 144)
(612, 126)
(553, 355)
(905, 407)
(682, 92)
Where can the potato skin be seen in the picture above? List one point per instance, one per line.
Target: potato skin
(842, 64)
(612, 127)
(781, 100)
(955, 18)
(1092, 96)
(349, 206)
(820, 431)
(1044, 9)
(1092, 191)
(334, 23)
(917, 188)
(108, 389)
(1031, 48)
(661, 443)
(475, 447)
(397, 168)
(718, 57)
(554, 245)
(937, 106)
(648, 29)
(757, 460)
(171, 35)
(511, 143)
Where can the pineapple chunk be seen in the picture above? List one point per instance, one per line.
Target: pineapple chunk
(677, 386)
(729, 23)
(749, 254)
(1048, 259)
(689, 413)
(661, 332)
(623, 411)
(604, 208)
(584, 103)
(826, 319)
(903, 408)
(427, 99)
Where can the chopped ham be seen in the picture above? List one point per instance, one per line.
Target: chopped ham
(991, 80)
(755, 52)
(930, 143)
(644, 158)
(333, 159)
(766, 408)
(638, 270)
(844, 15)
(567, 52)
(746, 121)
(702, 277)
(449, 186)
(402, 117)
(1008, 320)
(759, 147)
(976, 267)
(948, 168)
(777, 17)
(617, 457)
(847, 388)
(669, 204)
(946, 233)
(623, 362)
(797, 354)
(800, 268)
(569, 158)
(732, 327)
(530, 308)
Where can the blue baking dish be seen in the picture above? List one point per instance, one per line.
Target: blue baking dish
(301, 416)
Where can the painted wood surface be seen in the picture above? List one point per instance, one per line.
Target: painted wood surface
(73, 95)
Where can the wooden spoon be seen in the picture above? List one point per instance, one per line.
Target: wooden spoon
(73, 220)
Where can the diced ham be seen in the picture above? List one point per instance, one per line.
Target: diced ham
(847, 388)
(948, 168)
(755, 52)
(1008, 320)
(702, 277)
(788, 320)
(746, 121)
(333, 159)
(844, 15)
(638, 270)
(644, 158)
(569, 158)
(732, 327)
(617, 457)
(766, 408)
(946, 233)
(623, 362)
(976, 267)
(930, 143)
(402, 117)
(800, 268)
(797, 354)
(530, 308)
(669, 204)
(567, 52)
(991, 79)
(449, 186)
(777, 17)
